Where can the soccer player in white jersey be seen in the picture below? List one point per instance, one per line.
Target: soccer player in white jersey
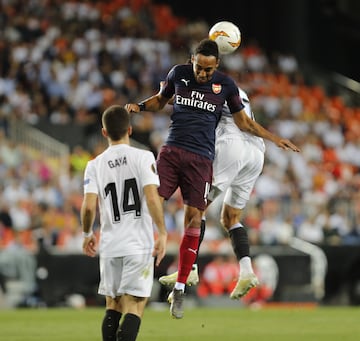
(239, 160)
(123, 181)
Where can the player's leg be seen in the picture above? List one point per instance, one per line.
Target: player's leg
(133, 310)
(187, 254)
(235, 200)
(108, 276)
(195, 182)
(223, 178)
(193, 278)
(224, 171)
(136, 285)
(190, 242)
(230, 219)
(111, 319)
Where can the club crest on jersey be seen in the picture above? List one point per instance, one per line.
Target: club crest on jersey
(216, 88)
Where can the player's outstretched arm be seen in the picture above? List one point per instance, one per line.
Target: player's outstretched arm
(252, 127)
(155, 207)
(153, 103)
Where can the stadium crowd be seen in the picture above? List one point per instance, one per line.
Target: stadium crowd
(65, 61)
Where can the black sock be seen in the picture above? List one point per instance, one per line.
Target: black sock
(110, 325)
(129, 328)
(240, 242)
(202, 233)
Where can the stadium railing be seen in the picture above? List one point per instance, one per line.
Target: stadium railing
(48, 146)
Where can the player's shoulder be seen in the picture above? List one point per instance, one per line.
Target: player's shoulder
(91, 163)
(180, 69)
(222, 75)
(186, 66)
(97, 158)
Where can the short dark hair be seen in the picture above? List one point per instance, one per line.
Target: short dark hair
(116, 121)
(207, 47)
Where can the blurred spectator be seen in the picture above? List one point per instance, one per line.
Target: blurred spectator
(219, 276)
(69, 238)
(79, 158)
(48, 192)
(10, 152)
(267, 271)
(338, 220)
(14, 191)
(256, 60)
(310, 230)
(331, 235)
(288, 64)
(273, 229)
(354, 236)
(269, 183)
(18, 263)
(20, 216)
(5, 217)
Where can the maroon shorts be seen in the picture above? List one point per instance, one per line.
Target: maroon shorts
(191, 172)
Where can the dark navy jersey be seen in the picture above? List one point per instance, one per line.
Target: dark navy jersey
(197, 108)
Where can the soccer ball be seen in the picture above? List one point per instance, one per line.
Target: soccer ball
(227, 36)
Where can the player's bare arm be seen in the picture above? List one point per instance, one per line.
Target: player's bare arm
(252, 127)
(87, 215)
(155, 207)
(153, 103)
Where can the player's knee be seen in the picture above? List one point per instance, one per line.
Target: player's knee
(193, 217)
(227, 221)
(230, 217)
(226, 224)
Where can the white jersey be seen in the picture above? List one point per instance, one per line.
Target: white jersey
(227, 127)
(239, 160)
(118, 176)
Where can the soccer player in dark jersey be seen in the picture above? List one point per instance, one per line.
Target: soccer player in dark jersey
(185, 161)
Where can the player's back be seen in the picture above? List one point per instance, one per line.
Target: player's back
(227, 128)
(121, 172)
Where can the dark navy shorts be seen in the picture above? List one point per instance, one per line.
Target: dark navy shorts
(191, 172)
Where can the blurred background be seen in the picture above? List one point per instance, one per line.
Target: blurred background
(63, 62)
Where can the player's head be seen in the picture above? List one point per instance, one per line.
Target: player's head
(116, 122)
(205, 60)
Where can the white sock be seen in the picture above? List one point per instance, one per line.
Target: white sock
(180, 286)
(245, 266)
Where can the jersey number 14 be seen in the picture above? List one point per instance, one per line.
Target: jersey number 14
(129, 201)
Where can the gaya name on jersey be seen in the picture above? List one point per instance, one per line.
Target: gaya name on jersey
(121, 161)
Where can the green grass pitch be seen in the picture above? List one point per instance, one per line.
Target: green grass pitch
(198, 324)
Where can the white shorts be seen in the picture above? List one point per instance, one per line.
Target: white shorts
(237, 165)
(132, 275)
